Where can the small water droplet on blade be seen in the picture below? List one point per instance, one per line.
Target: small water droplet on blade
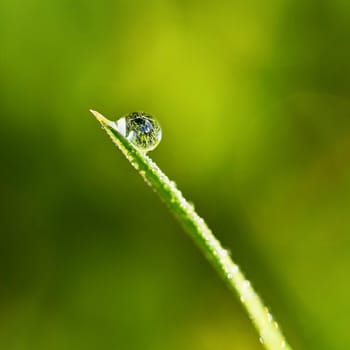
(234, 269)
(223, 252)
(246, 284)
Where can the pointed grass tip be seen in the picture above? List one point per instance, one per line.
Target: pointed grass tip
(100, 117)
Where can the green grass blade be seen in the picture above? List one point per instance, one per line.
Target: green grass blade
(269, 332)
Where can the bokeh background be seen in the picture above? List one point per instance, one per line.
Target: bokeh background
(254, 101)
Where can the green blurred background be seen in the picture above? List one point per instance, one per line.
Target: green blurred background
(254, 101)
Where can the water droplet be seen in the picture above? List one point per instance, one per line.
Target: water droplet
(191, 204)
(223, 253)
(141, 129)
(234, 269)
(172, 185)
(246, 284)
(268, 315)
(261, 339)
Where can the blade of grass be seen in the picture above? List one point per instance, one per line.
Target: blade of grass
(269, 332)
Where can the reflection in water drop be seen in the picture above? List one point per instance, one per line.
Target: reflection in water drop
(141, 129)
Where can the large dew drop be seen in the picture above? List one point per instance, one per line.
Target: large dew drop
(141, 129)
